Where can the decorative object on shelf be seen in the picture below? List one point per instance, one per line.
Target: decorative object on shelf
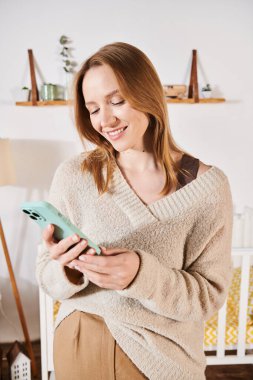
(49, 91)
(7, 177)
(19, 362)
(207, 91)
(68, 63)
(175, 91)
(66, 53)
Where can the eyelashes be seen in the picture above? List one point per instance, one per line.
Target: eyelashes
(121, 102)
(92, 113)
(114, 104)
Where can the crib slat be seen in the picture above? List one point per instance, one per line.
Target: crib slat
(229, 359)
(50, 331)
(43, 335)
(221, 334)
(244, 290)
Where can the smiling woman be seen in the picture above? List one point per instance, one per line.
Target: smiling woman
(163, 221)
(111, 114)
(121, 90)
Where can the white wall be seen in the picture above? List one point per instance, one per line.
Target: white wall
(167, 31)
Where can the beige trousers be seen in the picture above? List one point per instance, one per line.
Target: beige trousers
(84, 349)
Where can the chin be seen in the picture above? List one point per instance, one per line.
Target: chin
(121, 148)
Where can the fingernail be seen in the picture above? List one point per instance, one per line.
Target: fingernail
(103, 247)
(49, 227)
(90, 251)
(76, 267)
(75, 238)
(82, 258)
(83, 242)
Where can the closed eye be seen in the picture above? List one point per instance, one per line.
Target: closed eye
(114, 104)
(118, 103)
(93, 112)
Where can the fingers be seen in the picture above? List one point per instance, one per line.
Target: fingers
(64, 245)
(113, 251)
(112, 272)
(47, 235)
(94, 267)
(100, 263)
(101, 280)
(74, 252)
(66, 249)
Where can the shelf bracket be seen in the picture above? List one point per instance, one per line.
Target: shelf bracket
(193, 92)
(35, 92)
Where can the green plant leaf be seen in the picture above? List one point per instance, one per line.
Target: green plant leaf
(63, 40)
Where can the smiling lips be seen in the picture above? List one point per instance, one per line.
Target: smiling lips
(114, 135)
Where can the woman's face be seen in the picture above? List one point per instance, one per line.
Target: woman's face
(111, 115)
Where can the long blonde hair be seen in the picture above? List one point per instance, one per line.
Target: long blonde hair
(141, 87)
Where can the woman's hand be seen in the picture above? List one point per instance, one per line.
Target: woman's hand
(116, 269)
(63, 253)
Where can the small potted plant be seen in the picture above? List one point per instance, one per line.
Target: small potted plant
(207, 91)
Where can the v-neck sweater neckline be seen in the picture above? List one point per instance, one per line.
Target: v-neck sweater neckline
(169, 205)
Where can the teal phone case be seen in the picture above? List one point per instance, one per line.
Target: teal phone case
(44, 213)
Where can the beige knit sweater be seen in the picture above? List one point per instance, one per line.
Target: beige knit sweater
(184, 242)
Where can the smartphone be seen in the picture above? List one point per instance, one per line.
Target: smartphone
(44, 213)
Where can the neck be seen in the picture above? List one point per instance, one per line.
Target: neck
(137, 160)
(141, 158)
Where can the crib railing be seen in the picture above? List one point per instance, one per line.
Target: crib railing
(242, 257)
(46, 334)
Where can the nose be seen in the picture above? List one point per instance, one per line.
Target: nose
(107, 118)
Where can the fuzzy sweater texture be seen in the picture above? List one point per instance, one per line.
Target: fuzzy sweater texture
(184, 243)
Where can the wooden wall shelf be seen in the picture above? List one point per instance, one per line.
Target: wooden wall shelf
(41, 103)
(192, 101)
(193, 91)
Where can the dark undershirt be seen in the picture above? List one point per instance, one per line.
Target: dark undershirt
(191, 164)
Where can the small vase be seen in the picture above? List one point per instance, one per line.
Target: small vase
(68, 85)
(48, 91)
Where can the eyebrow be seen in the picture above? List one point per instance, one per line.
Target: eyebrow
(106, 96)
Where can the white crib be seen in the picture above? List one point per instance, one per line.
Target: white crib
(242, 257)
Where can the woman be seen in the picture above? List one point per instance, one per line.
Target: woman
(163, 220)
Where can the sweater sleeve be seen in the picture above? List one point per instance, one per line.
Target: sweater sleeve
(198, 290)
(50, 275)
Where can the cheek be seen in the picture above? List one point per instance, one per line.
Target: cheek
(94, 123)
(140, 119)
